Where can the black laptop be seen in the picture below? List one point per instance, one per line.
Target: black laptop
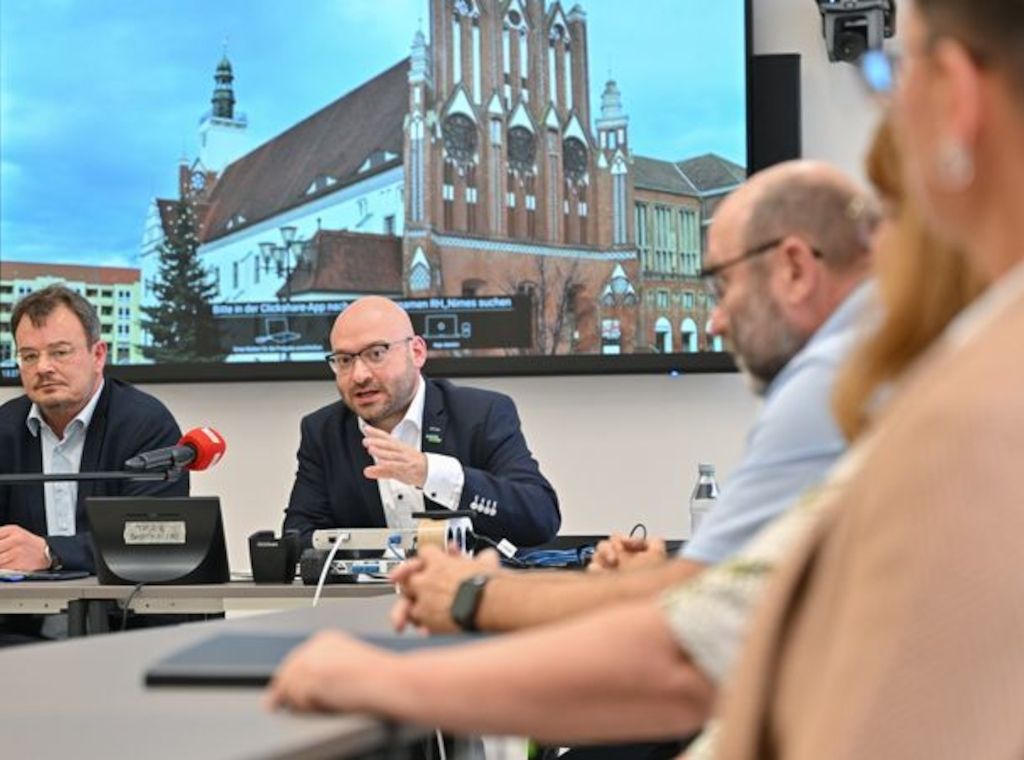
(250, 659)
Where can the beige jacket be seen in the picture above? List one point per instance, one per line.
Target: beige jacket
(896, 630)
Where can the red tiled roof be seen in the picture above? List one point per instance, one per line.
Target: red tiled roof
(168, 213)
(23, 270)
(711, 172)
(350, 262)
(333, 142)
(168, 209)
(655, 174)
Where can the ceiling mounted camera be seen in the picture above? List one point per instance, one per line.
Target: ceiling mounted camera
(852, 27)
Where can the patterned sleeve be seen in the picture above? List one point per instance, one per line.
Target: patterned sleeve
(708, 615)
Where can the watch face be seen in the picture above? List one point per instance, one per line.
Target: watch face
(574, 159)
(459, 133)
(522, 149)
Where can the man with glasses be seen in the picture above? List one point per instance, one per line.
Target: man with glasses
(399, 443)
(787, 261)
(70, 419)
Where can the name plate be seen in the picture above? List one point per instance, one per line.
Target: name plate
(154, 532)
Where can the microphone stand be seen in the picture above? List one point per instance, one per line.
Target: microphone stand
(57, 477)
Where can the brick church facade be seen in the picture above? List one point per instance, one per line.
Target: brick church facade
(506, 178)
(507, 187)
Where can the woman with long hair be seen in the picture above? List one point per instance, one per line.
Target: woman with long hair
(895, 629)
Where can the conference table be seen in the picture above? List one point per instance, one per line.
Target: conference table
(76, 597)
(85, 698)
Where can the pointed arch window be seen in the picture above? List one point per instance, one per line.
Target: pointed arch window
(574, 159)
(514, 53)
(419, 272)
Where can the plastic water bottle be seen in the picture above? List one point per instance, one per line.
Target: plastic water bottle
(704, 496)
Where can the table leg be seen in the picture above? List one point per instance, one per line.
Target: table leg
(98, 620)
(77, 609)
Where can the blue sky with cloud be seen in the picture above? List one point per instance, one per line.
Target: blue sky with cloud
(99, 98)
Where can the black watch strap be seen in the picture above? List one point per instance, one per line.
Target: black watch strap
(467, 601)
(51, 554)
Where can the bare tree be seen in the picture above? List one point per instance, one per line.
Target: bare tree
(553, 294)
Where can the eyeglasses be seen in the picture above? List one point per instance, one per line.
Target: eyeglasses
(372, 356)
(879, 70)
(712, 275)
(57, 355)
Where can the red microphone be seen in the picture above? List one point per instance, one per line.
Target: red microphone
(198, 449)
(209, 446)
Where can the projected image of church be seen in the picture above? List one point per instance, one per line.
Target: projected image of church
(475, 181)
(527, 178)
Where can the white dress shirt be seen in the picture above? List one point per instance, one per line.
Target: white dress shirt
(445, 477)
(62, 455)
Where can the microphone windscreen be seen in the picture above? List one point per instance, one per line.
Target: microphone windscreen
(209, 446)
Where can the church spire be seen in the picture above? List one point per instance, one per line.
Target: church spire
(613, 122)
(223, 95)
(419, 63)
(611, 103)
(222, 137)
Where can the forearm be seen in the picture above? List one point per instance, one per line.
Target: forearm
(557, 684)
(520, 600)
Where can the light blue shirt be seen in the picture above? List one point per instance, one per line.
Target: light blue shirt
(794, 440)
(62, 455)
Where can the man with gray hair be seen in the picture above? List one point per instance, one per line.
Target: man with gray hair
(787, 262)
(69, 420)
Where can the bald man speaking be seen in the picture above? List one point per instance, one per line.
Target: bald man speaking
(399, 443)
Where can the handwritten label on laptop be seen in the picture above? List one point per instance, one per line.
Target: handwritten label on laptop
(154, 532)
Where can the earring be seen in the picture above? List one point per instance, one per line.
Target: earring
(955, 165)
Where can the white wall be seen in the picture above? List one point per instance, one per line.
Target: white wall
(618, 448)
(838, 118)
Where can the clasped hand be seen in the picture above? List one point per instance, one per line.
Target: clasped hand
(620, 552)
(428, 583)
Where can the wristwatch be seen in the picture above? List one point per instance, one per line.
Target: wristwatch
(467, 601)
(52, 557)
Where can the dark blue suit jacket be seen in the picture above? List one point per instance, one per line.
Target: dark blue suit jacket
(126, 422)
(479, 428)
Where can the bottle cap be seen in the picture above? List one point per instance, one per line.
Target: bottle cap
(706, 469)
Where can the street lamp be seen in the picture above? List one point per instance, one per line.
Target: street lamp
(282, 255)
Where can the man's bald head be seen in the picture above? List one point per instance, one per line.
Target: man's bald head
(381, 313)
(811, 199)
(381, 376)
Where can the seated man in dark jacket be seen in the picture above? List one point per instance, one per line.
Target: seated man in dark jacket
(399, 443)
(69, 420)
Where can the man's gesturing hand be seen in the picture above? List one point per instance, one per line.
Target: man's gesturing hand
(394, 459)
